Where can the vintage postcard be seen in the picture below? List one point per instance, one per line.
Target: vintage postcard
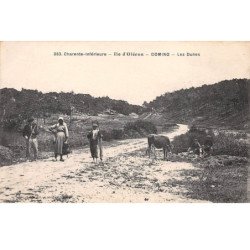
(124, 122)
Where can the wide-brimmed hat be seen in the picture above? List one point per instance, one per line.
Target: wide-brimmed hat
(60, 118)
(94, 124)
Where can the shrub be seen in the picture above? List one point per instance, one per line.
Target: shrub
(12, 123)
(132, 134)
(107, 135)
(180, 143)
(141, 127)
(229, 144)
(224, 143)
(117, 134)
(4, 141)
(135, 129)
(114, 134)
(6, 155)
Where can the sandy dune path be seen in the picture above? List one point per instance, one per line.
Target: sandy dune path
(126, 175)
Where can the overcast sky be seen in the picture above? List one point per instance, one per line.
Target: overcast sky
(32, 65)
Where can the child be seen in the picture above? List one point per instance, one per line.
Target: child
(95, 141)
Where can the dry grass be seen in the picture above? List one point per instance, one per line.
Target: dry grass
(222, 176)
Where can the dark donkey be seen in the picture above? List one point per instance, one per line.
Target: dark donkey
(158, 141)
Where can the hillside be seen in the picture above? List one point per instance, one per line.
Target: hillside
(18, 105)
(223, 104)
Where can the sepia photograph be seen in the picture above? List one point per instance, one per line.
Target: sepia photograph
(124, 122)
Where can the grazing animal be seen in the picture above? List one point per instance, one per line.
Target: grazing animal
(158, 141)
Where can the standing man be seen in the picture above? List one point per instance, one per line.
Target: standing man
(30, 133)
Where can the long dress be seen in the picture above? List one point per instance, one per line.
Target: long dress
(61, 134)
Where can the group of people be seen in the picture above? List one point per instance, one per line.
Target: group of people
(61, 135)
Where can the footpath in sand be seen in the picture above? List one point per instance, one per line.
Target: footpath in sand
(126, 175)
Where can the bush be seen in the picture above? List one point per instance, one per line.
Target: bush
(141, 127)
(6, 155)
(107, 135)
(12, 123)
(229, 144)
(117, 134)
(132, 134)
(180, 143)
(4, 141)
(224, 143)
(114, 134)
(135, 129)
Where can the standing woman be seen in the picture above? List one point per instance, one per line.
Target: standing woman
(61, 136)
